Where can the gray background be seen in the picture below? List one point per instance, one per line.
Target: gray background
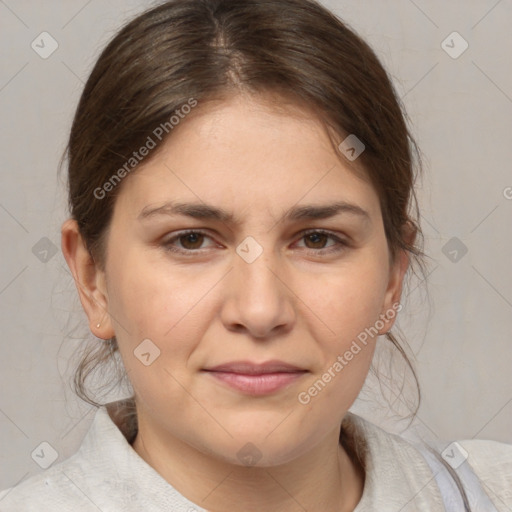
(461, 111)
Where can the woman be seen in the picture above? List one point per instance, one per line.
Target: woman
(242, 220)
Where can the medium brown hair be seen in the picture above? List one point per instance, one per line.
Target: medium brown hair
(212, 49)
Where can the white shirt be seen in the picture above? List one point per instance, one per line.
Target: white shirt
(107, 475)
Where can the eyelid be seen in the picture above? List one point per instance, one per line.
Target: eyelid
(333, 234)
(167, 242)
(340, 242)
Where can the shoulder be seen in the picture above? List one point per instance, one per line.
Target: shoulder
(66, 484)
(397, 476)
(53, 488)
(425, 477)
(104, 474)
(491, 461)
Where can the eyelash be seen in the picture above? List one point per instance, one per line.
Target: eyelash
(338, 247)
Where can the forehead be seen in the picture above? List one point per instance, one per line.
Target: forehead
(248, 154)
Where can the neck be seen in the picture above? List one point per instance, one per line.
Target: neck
(325, 478)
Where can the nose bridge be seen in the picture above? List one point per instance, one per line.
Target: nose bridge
(258, 301)
(258, 278)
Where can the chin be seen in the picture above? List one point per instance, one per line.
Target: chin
(256, 448)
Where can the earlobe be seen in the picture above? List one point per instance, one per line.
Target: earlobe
(89, 280)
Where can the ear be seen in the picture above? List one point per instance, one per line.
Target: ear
(397, 271)
(89, 280)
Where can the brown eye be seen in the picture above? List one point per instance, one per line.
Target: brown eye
(322, 243)
(188, 243)
(191, 240)
(316, 240)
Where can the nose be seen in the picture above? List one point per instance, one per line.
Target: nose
(257, 299)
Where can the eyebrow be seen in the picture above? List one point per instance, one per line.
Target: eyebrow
(203, 211)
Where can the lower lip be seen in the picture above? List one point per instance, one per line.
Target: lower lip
(262, 384)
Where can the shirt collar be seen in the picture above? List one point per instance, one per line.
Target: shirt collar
(109, 471)
(396, 474)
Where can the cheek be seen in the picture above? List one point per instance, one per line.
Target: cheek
(347, 304)
(171, 309)
(347, 300)
(350, 307)
(150, 299)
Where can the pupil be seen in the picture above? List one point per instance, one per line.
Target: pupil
(317, 239)
(192, 240)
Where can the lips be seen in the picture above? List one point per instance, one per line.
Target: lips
(256, 379)
(250, 368)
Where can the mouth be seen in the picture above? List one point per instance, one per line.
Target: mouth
(256, 379)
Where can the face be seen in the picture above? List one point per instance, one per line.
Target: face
(248, 239)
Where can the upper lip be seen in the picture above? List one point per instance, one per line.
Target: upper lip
(250, 368)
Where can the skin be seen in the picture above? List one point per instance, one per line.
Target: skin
(295, 303)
